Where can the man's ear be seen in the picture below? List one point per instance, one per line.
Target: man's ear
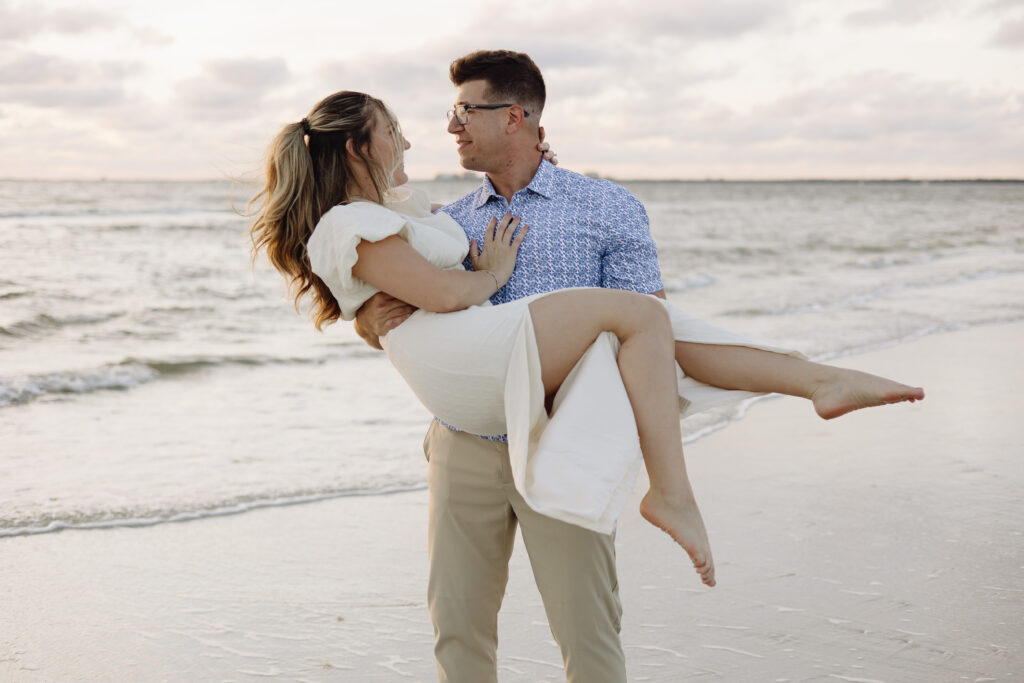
(515, 119)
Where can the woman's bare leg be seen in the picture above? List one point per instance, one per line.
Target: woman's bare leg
(566, 324)
(834, 391)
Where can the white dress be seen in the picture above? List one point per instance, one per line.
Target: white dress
(479, 370)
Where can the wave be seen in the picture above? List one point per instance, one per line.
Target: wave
(861, 298)
(43, 323)
(112, 213)
(683, 284)
(21, 390)
(107, 521)
(127, 374)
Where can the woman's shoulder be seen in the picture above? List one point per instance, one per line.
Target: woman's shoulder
(360, 218)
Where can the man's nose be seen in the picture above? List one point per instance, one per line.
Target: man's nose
(453, 125)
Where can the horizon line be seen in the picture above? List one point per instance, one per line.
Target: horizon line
(450, 177)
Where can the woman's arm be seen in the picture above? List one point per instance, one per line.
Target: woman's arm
(394, 267)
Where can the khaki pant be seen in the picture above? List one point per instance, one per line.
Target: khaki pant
(474, 509)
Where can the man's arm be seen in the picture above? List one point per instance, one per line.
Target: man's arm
(630, 259)
(380, 314)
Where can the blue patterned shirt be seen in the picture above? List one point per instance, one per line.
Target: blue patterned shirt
(584, 232)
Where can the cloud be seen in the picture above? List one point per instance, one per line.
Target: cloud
(697, 19)
(1010, 34)
(879, 105)
(902, 12)
(147, 35)
(232, 87)
(27, 20)
(1001, 5)
(579, 33)
(875, 123)
(49, 81)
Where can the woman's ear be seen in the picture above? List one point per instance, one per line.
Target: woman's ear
(350, 149)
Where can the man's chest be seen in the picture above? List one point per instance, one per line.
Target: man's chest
(557, 234)
(562, 248)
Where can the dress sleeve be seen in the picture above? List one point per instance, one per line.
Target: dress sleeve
(630, 258)
(332, 248)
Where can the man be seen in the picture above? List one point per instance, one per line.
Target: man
(583, 233)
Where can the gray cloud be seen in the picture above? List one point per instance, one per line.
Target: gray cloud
(882, 121)
(599, 26)
(79, 20)
(881, 105)
(73, 96)
(698, 19)
(41, 69)
(26, 20)
(236, 87)
(1010, 34)
(48, 81)
(1001, 5)
(414, 86)
(897, 12)
(147, 35)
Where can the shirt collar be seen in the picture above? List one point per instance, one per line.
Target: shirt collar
(544, 183)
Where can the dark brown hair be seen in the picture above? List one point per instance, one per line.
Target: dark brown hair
(305, 180)
(511, 77)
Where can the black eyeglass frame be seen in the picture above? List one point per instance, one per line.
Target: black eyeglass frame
(463, 117)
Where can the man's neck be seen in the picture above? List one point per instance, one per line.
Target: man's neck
(516, 175)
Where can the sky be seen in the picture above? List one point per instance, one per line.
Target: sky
(689, 89)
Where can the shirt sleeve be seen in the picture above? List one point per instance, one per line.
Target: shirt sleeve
(630, 258)
(332, 248)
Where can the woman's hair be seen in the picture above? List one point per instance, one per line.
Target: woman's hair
(307, 173)
(510, 76)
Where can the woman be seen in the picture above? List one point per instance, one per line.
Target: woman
(333, 224)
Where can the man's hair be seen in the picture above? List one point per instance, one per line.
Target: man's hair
(511, 77)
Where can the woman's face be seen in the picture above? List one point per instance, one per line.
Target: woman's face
(386, 150)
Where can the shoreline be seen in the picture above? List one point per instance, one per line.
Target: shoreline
(701, 425)
(883, 546)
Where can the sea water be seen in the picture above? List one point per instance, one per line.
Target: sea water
(150, 372)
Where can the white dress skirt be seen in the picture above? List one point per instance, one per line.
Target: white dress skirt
(479, 371)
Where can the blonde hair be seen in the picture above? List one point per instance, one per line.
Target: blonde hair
(307, 173)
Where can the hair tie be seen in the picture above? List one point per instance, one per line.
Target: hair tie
(305, 125)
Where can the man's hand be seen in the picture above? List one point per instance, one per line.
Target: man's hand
(380, 314)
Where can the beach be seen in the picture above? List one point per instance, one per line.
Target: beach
(886, 546)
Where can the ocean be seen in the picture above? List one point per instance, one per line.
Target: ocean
(150, 372)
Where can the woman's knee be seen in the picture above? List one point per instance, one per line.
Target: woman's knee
(650, 313)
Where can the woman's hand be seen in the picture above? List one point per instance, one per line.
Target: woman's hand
(545, 149)
(500, 248)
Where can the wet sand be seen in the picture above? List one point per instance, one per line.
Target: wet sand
(886, 546)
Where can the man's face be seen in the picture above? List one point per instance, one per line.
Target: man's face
(481, 138)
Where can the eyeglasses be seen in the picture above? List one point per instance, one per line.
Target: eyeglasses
(461, 111)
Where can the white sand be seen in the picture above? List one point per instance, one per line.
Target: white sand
(885, 546)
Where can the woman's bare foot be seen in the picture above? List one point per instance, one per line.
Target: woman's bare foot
(850, 390)
(682, 521)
